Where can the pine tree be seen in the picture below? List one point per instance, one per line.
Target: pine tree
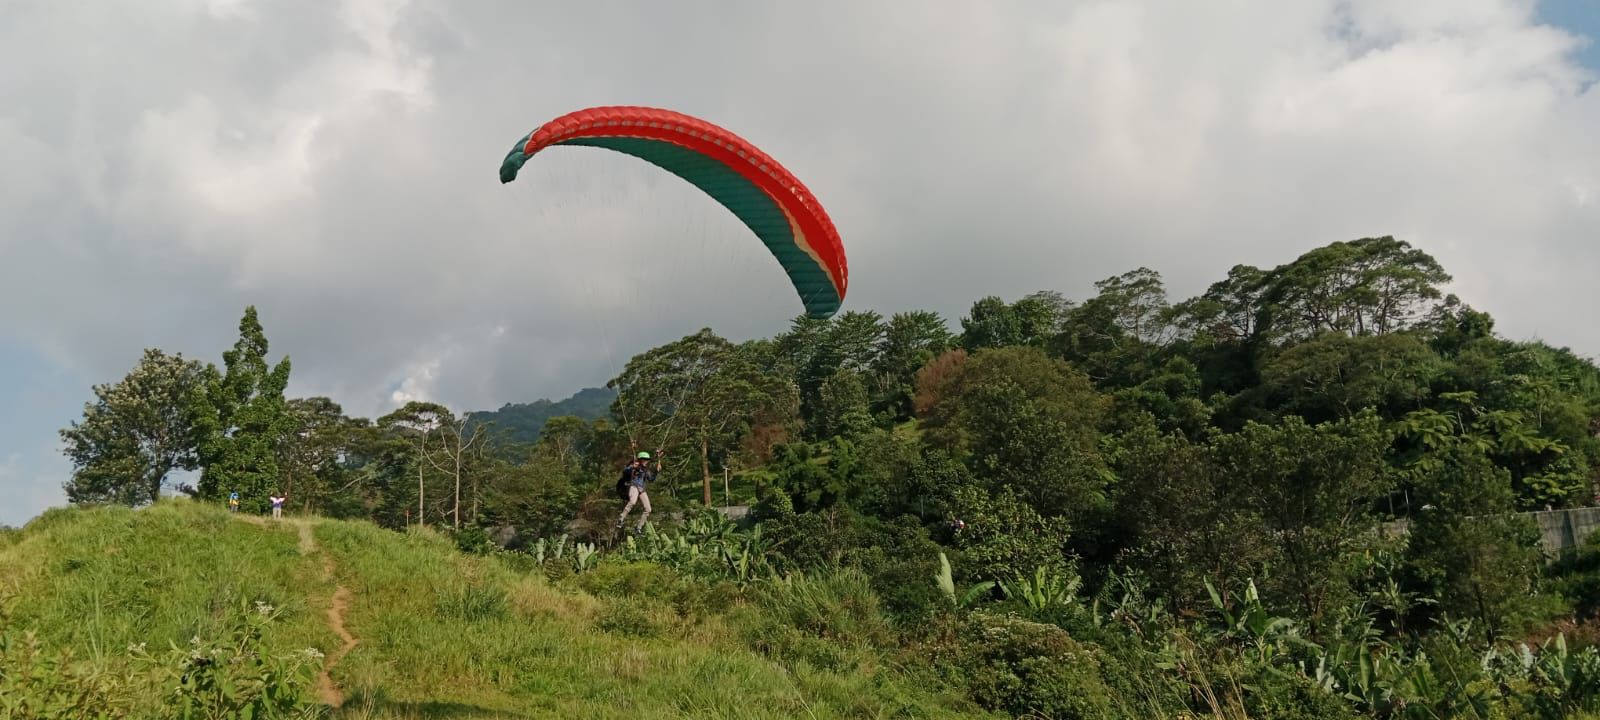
(242, 419)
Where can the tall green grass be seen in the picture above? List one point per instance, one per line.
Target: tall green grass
(478, 636)
(441, 634)
(112, 613)
(100, 580)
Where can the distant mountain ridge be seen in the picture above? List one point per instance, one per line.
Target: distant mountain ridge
(522, 422)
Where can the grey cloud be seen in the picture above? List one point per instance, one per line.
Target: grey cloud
(334, 164)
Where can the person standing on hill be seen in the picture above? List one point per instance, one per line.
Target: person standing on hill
(631, 486)
(233, 501)
(277, 505)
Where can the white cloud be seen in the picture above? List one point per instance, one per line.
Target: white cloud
(334, 164)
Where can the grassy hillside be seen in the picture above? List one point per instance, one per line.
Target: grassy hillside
(121, 602)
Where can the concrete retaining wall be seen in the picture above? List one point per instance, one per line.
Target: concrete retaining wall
(1562, 530)
(1559, 530)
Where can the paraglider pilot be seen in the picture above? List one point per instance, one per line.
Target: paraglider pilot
(631, 486)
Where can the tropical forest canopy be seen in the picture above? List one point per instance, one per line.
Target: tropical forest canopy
(1231, 456)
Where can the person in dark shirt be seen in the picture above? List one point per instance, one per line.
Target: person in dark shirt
(632, 486)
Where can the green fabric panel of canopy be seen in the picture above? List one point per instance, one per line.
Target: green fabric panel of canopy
(748, 202)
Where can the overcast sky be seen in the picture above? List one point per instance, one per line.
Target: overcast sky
(168, 162)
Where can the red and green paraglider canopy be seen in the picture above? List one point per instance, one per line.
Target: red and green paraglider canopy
(769, 199)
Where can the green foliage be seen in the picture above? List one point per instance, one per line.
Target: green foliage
(524, 423)
(1171, 396)
(1031, 321)
(439, 631)
(808, 474)
(1313, 488)
(899, 557)
(1045, 592)
(698, 397)
(773, 504)
(1371, 286)
(241, 417)
(947, 587)
(473, 603)
(1334, 376)
(1005, 537)
(136, 432)
(1028, 423)
(1576, 576)
(1175, 519)
(708, 546)
(236, 677)
(1179, 501)
(310, 454)
(1557, 681)
(910, 341)
(1465, 550)
(539, 489)
(832, 604)
(1027, 669)
(1117, 335)
(36, 682)
(842, 406)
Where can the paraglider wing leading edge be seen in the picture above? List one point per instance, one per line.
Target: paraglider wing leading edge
(764, 195)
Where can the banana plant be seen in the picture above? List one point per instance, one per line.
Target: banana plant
(584, 556)
(1252, 626)
(1043, 591)
(947, 585)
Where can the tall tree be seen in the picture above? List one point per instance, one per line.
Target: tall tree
(1314, 488)
(458, 456)
(309, 457)
(1229, 310)
(698, 396)
(842, 408)
(814, 350)
(1335, 376)
(1179, 519)
(241, 419)
(910, 341)
(420, 422)
(1116, 335)
(136, 432)
(1370, 286)
(1023, 420)
(1467, 548)
(1032, 320)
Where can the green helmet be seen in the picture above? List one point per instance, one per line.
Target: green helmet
(644, 456)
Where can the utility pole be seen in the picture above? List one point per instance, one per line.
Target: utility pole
(422, 514)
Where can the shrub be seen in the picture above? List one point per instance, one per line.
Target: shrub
(474, 540)
(1029, 669)
(834, 604)
(627, 617)
(38, 683)
(236, 678)
(774, 503)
